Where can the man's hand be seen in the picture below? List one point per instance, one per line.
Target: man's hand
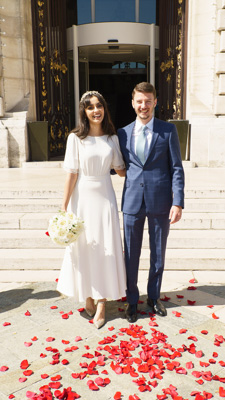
(175, 214)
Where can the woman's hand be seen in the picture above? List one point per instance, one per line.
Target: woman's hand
(121, 172)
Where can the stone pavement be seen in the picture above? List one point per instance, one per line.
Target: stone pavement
(182, 353)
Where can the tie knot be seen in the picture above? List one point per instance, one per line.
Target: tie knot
(144, 128)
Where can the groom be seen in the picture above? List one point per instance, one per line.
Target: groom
(153, 188)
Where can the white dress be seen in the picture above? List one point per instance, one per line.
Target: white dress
(93, 266)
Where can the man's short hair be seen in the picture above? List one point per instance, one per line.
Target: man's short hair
(144, 87)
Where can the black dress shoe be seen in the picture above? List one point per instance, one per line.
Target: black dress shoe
(131, 313)
(157, 307)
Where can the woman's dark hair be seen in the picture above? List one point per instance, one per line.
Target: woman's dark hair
(83, 127)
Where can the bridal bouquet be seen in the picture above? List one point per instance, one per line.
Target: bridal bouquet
(65, 228)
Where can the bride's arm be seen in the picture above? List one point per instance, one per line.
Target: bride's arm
(68, 189)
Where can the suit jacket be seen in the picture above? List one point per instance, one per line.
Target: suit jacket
(161, 179)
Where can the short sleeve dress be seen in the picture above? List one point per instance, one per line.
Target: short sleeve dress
(93, 266)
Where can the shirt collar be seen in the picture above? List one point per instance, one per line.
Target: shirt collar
(149, 125)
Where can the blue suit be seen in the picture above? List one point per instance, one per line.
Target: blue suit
(149, 191)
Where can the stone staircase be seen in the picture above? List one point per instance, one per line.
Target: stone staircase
(197, 242)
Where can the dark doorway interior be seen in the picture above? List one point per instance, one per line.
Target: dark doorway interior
(117, 87)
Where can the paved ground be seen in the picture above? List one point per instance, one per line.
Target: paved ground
(156, 358)
(182, 353)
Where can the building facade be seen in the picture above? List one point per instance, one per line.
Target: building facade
(51, 51)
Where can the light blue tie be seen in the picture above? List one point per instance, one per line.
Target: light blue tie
(140, 149)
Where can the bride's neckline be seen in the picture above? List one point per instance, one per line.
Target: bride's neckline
(96, 136)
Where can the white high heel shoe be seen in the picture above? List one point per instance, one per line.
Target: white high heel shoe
(90, 311)
(98, 323)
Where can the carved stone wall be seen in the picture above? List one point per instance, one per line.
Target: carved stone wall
(205, 82)
(17, 89)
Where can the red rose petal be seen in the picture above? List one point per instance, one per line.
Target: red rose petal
(111, 328)
(193, 338)
(53, 307)
(4, 368)
(203, 364)
(182, 331)
(65, 341)
(207, 395)
(77, 338)
(11, 396)
(190, 302)
(191, 288)
(222, 363)
(165, 298)
(81, 309)
(56, 378)
(65, 362)
(181, 370)
(54, 385)
(28, 372)
(50, 339)
(43, 355)
(215, 354)
(34, 339)
(47, 233)
(6, 323)
(204, 332)
(65, 316)
(221, 391)
(24, 364)
(92, 385)
(44, 376)
(176, 313)
(117, 396)
(211, 306)
(21, 380)
(99, 381)
(189, 365)
(214, 316)
(27, 313)
(199, 354)
(28, 344)
(197, 374)
(192, 280)
(200, 382)
(179, 296)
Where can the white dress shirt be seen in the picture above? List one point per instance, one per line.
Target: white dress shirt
(136, 132)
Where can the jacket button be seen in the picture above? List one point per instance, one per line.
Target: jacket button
(141, 184)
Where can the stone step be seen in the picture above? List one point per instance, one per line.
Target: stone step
(51, 259)
(189, 259)
(58, 194)
(31, 258)
(178, 239)
(30, 205)
(40, 221)
(53, 205)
